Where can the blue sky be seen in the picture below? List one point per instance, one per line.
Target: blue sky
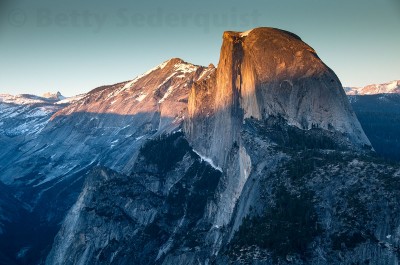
(74, 46)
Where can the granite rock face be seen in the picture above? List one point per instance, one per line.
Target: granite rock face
(262, 74)
(268, 72)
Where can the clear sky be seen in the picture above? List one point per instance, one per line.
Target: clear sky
(74, 46)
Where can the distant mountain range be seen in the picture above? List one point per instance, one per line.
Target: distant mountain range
(392, 87)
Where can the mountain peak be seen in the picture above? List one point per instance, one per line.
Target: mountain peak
(259, 31)
(53, 95)
(175, 61)
(263, 73)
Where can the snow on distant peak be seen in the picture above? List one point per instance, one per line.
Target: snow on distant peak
(27, 99)
(180, 66)
(70, 100)
(22, 99)
(386, 88)
(393, 85)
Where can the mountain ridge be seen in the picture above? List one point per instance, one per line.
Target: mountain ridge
(373, 89)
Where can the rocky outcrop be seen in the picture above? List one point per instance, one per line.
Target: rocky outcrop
(267, 72)
(54, 96)
(254, 120)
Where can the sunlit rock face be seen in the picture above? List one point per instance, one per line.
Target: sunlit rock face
(99, 122)
(268, 72)
(262, 74)
(159, 94)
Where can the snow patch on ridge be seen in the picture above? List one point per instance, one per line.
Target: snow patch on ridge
(206, 73)
(244, 34)
(70, 100)
(167, 94)
(208, 160)
(185, 68)
(21, 99)
(141, 97)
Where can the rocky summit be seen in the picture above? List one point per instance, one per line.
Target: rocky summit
(260, 160)
(266, 73)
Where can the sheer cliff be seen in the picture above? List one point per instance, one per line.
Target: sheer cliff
(268, 72)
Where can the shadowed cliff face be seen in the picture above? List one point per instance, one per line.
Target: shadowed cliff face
(268, 72)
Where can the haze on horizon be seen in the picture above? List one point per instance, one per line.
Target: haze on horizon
(76, 46)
